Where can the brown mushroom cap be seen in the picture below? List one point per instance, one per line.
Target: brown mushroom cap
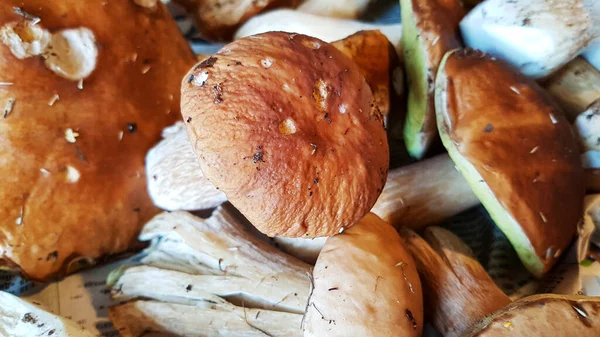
(284, 124)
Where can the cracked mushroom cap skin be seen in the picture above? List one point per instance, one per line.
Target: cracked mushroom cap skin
(365, 284)
(516, 150)
(64, 201)
(284, 124)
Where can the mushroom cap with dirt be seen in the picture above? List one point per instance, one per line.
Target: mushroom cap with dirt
(516, 150)
(365, 284)
(76, 126)
(285, 125)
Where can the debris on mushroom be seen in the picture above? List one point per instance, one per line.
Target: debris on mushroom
(575, 87)
(365, 284)
(296, 185)
(537, 36)
(212, 271)
(24, 39)
(323, 28)
(429, 30)
(175, 180)
(72, 53)
(20, 318)
(514, 197)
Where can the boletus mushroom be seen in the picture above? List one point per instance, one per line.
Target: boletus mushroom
(365, 283)
(462, 300)
(286, 126)
(429, 30)
(516, 150)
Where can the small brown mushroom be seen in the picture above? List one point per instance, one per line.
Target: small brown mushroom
(286, 126)
(365, 284)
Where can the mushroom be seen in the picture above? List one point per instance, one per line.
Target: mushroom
(462, 300)
(211, 273)
(516, 150)
(19, 318)
(430, 29)
(365, 283)
(575, 87)
(306, 250)
(324, 28)
(264, 117)
(537, 36)
(72, 185)
(175, 181)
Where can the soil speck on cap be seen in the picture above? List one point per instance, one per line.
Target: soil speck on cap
(208, 63)
(411, 318)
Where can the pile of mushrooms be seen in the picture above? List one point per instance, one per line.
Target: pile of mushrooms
(301, 145)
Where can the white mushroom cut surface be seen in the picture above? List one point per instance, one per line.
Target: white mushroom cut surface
(537, 36)
(175, 180)
(210, 273)
(345, 9)
(19, 318)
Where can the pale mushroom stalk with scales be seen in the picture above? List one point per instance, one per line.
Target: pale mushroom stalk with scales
(536, 36)
(462, 300)
(211, 272)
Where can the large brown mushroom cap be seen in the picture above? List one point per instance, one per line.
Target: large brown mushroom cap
(285, 125)
(65, 197)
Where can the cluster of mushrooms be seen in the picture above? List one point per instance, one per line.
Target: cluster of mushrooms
(290, 209)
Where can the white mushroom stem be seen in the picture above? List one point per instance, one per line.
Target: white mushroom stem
(324, 28)
(537, 36)
(306, 250)
(424, 193)
(142, 318)
(19, 318)
(345, 9)
(174, 178)
(220, 245)
(574, 87)
(592, 52)
(209, 277)
(587, 127)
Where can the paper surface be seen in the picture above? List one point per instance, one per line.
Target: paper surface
(84, 297)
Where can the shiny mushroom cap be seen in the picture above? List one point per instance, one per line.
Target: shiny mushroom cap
(285, 125)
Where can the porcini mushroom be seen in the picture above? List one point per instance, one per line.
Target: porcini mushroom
(19, 318)
(462, 300)
(592, 52)
(209, 273)
(365, 284)
(536, 36)
(516, 150)
(285, 125)
(429, 30)
(77, 123)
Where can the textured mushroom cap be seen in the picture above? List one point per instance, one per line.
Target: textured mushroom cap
(284, 124)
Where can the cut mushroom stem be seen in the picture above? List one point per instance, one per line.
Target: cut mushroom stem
(211, 273)
(458, 292)
(334, 8)
(574, 87)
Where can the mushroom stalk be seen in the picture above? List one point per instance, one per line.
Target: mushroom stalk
(462, 300)
(574, 87)
(211, 273)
